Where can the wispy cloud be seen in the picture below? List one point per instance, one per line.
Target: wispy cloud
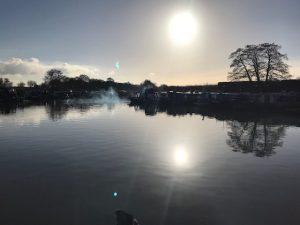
(18, 69)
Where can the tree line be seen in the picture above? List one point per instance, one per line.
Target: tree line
(5, 82)
(55, 79)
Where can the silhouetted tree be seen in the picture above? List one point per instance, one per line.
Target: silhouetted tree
(84, 78)
(240, 65)
(54, 75)
(163, 87)
(110, 80)
(31, 83)
(258, 138)
(262, 62)
(21, 84)
(1, 82)
(5, 82)
(275, 68)
(148, 83)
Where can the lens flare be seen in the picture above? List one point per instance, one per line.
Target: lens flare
(117, 65)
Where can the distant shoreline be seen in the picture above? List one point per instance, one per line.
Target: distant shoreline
(275, 94)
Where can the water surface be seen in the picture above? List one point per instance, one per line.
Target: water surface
(62, 163)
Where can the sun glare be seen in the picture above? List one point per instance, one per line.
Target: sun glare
(183, 28)
(180, 156)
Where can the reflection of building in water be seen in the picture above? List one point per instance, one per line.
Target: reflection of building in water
(253, 137)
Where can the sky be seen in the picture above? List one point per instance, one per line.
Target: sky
(91, 36)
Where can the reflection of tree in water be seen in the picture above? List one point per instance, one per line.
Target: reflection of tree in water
(151, 110)
(56, 111)
(173, 110)
(83, 108)
(253, 137)
(8, 109)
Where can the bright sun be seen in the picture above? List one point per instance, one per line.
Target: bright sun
(183, 28)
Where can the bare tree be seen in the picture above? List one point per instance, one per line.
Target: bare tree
(262, 62)
(240, 65)
(275, 68)
(255, 59)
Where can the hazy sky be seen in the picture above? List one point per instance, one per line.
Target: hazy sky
(90, 36)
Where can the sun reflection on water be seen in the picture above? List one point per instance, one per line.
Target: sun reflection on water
(181, 156)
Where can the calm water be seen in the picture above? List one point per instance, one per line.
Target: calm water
(60, 164)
